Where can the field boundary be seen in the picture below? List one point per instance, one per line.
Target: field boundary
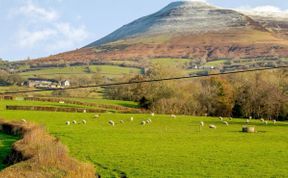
(54, 109)
(121, 109)
(38, 154)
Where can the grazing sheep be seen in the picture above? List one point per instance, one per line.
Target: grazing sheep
(226, 123)
(149, 121)
(61, 102)
(24, 121)
(68, 122)
(202, 124)
(143, 123)
(96, 116)
(266, 122)
(121, 122)
(262, 120)
(152, 114)
(84, 121)
(274, 122)
(250, 118)
(247, 121)
(221, 118)
(173, 116)
(212, 126)
(112, 123)
(132, 119)
(84, 111)
(74, 122)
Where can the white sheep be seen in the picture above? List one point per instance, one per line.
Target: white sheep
(211, 126)
(202, 124)
(250, 118)
(84, 121)
(61, 102)
(68, 122)
(173, 116)
(96, 116)
(266, 122)
(24, 121)
(262, 120)
(149, 121)
(226, 123)
(152, 114)
(274, 122)
(143, 123)
(247, 121)
(221, 118)
(84, 111)
(132, 119)
(112, 123)
(74, 122)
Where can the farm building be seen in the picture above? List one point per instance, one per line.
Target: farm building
(47, 83)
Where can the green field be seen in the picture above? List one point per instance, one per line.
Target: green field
(80, 71)
(6, 142)
(168, 147)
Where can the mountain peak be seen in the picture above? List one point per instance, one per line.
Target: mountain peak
(177, 18)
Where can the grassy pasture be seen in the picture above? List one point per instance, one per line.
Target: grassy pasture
(79, 71)
(168, 147)
(6, 142)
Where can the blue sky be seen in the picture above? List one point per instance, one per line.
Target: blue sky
(35, 28)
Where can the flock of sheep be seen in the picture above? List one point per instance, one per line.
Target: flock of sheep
(149, 121)
(202, 124)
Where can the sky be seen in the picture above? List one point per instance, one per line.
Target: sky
(39, 28)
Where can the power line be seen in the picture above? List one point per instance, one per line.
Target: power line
(143, 81)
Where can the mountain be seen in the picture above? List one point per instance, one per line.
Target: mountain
(188, 29)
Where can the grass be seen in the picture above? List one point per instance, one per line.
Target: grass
(215, 63)
(170, 61)
(6, 142)
(107, 70)
(167, 147)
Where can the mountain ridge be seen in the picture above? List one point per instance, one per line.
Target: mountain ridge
(187, 30)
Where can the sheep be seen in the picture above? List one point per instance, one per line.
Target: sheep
(266, 122)
(262, 120)
(250, 118)
(152, 114)
(84, 121)
(202, 124)
(68, 122)
(61, 102)
(24, 121)
(226, 123)
(112, 123)
(274, 122)
(221, 118)
(96, 116)
(143, 123)
(173, 116)
(211, 126)
(247, 121)
(74, 122)
(84, 111)
(149, 121)
(121, 122)
(132, 119)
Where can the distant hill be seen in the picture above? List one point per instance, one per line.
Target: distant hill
(187, 29)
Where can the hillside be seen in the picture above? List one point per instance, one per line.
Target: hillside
(191, 30)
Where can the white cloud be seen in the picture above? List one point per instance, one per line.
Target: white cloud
(43, 29)
(266, 11)
(29, 9)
